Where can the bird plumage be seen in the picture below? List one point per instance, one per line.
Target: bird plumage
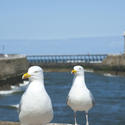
(80, 97)
(35, 105)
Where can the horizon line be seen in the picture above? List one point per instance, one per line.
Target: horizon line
(61, 38)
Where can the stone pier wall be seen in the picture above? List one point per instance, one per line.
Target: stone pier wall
(11, 69)
(13, 66)
(115, 60)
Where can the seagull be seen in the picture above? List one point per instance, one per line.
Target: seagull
(79, 97)
(35, 106)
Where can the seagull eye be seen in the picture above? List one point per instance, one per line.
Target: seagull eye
(36, 72)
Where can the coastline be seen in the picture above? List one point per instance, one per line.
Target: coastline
(16, 65)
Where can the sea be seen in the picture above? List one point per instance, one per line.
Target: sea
(108, 90)
(69, 46)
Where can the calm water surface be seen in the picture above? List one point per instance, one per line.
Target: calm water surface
(109, 93)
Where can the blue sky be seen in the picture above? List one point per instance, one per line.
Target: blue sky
(55, 19)
(66, 20)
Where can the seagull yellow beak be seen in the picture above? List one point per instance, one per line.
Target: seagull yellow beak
(26, 75)
(74, 71)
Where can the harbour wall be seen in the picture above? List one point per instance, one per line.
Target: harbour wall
(11, 69)
(114, 60)
(114, 64)
(13, 66)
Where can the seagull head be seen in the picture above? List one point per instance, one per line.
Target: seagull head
(78, 70)
(34, 73)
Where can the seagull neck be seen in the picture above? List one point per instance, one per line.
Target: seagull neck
(36, 79)
(37, 82)
(79, 80)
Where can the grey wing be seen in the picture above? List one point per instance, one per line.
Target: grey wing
(21, 103)
(93, 99)
(19, 109)
(67, 99)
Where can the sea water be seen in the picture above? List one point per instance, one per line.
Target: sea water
(108, 90)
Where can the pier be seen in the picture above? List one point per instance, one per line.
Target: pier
(12, 66)
(86, 58)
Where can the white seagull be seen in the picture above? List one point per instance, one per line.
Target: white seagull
(80, 98)
(35, 106)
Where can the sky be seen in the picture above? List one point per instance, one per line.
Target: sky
(61, 20)
(55, 19)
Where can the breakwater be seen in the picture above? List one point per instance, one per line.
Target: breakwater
(66, 62)
(114, 64)
(13, 66)
(11, 69)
